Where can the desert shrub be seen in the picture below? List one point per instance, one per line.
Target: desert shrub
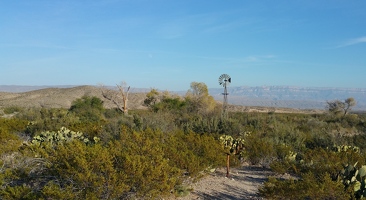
(320, 140)
(141, 157)
(70, 170)
(309, 187)
(199, 124)
(87, 169)
(169, 104)
(9, 130)
(181, 190)
(29, 114)
(13, 125)
(151, 98)
(358, 140)
(137, 121)
(164, 121)
(12, 109)
(8, 142)
(350, 120)
(47, 119)
(91, 129)
(194, 152)
(112, 113)
(21, 176)
(319, 161)
(18, 192)
(88, 108)
(284, 166)
(53, 190)
(258, 150)
(230, 127)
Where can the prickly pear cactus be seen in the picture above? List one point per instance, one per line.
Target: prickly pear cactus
(291, 156)
(357, 177)
(63, 135)
(345, 148)
(359, 186)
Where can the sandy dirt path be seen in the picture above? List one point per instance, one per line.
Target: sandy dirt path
(242, 184)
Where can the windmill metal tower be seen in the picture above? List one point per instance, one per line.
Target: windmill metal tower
(224, 80)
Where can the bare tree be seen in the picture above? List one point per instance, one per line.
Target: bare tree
(339, 107)
(119, 98)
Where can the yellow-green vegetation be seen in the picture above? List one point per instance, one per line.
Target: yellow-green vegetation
(89, 152)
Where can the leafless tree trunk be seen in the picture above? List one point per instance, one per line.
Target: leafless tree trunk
(120, 98)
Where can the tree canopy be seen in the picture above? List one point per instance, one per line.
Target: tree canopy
(338, 107)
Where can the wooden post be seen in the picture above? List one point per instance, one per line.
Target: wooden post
(227, 165)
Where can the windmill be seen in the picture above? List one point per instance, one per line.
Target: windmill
(224, 80)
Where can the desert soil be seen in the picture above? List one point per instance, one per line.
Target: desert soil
(243, 183)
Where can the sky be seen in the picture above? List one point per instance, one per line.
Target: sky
(167, 44)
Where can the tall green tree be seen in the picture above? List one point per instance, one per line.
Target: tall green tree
(199, 99)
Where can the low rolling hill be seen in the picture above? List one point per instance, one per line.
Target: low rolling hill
(62, 97)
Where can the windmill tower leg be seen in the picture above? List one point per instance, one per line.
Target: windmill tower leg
(224, 80)
(224, 108)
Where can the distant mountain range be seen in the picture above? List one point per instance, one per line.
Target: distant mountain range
(264, 96)
(290, 97)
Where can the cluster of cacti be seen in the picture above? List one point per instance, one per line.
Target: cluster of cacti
(350, 175)
(226, 140)
(291, 156)
(232, 146)
(345, 148)
(61, 136)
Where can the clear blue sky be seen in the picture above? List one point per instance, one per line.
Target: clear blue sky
(167, 44)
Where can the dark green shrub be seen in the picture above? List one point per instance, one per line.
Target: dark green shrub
(258, 150)
(169, 104)
(141, 157)
(8, 142)
(88, 108)
(113, 113)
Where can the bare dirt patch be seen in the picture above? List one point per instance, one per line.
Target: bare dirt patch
(242, 184)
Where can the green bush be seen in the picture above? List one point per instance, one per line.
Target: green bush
(194, 153)
(12, 109)
(88, 108)
(10, 129)
(141, 158)
(309, 187)
(258, 150)
(89, 170)
(8, 142)
(169, 104)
